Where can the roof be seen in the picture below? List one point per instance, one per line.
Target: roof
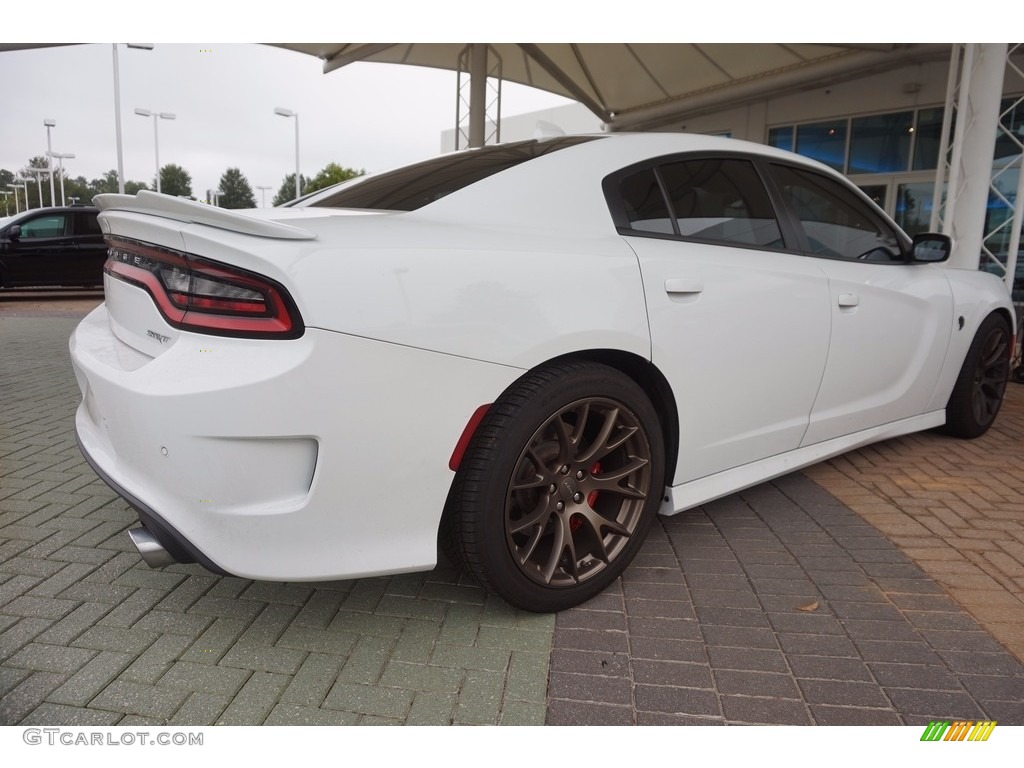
(643, 85)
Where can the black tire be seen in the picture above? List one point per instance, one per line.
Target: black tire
(1018, 374)
(559, 487)
(978, 393)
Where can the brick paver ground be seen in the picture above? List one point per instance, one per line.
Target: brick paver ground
(90, 635)
(955, 507)
(778, 605)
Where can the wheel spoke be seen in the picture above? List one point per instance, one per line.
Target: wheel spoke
(536, 481)
(599, 523)
(611, 418)
(539, 517)
(526, 552)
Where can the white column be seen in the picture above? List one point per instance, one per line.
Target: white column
(974, 144)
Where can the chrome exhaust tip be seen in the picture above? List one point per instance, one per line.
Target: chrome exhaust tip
(152, 551)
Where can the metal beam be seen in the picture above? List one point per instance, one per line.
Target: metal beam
(535, 53)
(354, 54)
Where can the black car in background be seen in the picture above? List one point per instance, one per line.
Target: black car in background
(52, 247)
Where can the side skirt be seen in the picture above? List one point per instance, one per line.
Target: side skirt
(688, 495)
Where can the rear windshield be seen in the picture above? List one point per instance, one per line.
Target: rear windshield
(414, 186)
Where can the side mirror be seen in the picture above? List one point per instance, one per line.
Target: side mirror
(14, 233)
(931, 248)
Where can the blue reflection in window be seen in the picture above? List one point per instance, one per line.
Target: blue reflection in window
(781, 138)
(824, 142)
(881, 143)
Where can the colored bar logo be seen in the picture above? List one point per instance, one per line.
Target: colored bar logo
(958, 730)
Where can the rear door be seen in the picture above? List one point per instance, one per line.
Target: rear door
(91, 250)
(891, 320)
(739, 324)
(39, 255)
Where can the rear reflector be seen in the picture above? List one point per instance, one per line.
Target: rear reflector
(195, 294)
(467, 435)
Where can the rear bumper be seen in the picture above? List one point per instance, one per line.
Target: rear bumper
(177, 546)
(317, 458)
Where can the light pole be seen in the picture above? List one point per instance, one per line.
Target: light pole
(37, 173)
(289, 113)
(117, 112)
(61, 157)
(156, 135)
(49, 122)
(263, 190)
(16, 187)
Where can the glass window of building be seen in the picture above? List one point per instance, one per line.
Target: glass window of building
(881, 143)
(781, 138)
(824, 142)
(927, 138)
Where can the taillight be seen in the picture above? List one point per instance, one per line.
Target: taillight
(195, 294)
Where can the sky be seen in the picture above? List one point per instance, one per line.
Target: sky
(223, 95)
(368, 116)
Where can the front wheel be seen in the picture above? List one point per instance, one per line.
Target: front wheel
(978, 393)
(560, 485)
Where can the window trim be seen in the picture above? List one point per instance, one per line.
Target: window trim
(620, 217)
(873, 212)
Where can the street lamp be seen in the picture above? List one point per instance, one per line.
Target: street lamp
(16, 187)
(49, 122)
(117, 112)
(38, 175)
(263, 190)
(156, 134)
(289, 113)
(61, 157)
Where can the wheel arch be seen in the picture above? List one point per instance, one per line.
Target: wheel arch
(646, 375)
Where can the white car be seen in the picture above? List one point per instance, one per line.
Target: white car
(521, 352)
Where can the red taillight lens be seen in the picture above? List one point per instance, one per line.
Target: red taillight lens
(195, 294)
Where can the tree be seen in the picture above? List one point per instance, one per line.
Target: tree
(107, 184)
(287, 190)
(330, 174)
(37, 168)
(174, 180)
(237, 190)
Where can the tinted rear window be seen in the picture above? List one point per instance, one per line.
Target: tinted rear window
(414, 186)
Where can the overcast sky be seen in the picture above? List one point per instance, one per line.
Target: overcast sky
(371, 116)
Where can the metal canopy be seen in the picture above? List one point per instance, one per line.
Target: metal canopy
(640, 86)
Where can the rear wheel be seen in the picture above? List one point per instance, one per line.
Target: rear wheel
(560, 485)
(978, 393)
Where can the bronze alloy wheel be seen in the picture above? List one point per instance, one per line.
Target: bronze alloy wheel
(559, 486)
(578, 492)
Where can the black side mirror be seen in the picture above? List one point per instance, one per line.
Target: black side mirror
(931, 248)
(14, 233)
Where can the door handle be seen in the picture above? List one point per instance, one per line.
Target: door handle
(685, 285)
(849, 300)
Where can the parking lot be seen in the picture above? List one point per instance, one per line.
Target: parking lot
(882, 587)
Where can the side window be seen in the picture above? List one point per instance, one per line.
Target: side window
(44, 226)
(87, 224)
(836, 222)
(644, 203)
(721, 200)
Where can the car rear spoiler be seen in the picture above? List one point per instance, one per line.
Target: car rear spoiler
(180, 209)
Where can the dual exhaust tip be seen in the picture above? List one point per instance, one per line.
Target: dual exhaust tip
(153, 552)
